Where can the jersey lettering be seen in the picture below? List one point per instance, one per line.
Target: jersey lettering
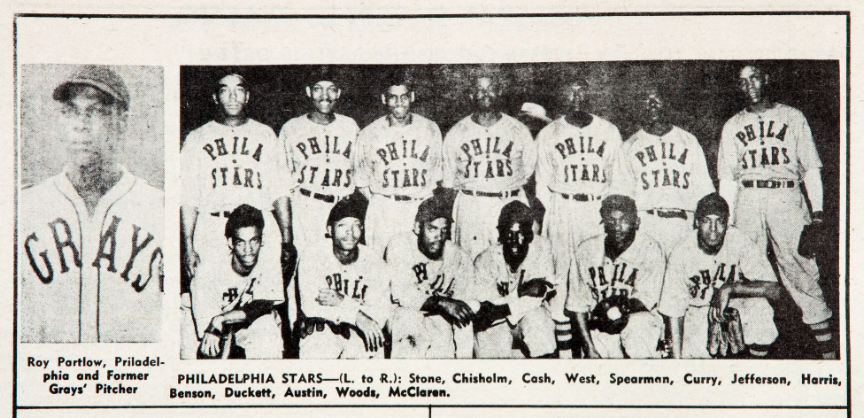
(440, 286)
(698, 284)
(330, 146)
(498, 163)
(354, 289)
(620, 283)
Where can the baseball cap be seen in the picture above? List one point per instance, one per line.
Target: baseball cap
(617, 202)
(514, 212)
(431, 209)
(712, 204)
(97, 76)
(350, 207)
(535, 111)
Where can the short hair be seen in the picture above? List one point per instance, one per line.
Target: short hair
(218, 86)
(241, 217)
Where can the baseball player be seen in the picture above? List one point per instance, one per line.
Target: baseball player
(716, 267)
(344, 291)
(515, 282)
(229, 161)
(576, 152)
(91, 236)
(319, 146)
(766, 151)
(234, 292)
(488, 157)
(662, 167)
(621, 261)
(398, 165)
(430, 277)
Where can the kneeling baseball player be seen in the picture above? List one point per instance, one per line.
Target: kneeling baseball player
(614, 284)
(234, 297)
(718, 268)
(344, 292)
(429, 279)
(516, 283)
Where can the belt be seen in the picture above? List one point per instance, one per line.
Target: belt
(400, 197)
(509, 193)
(769, 184)
(224, 213)
(579, 197)
(668, 213)
(329, 198)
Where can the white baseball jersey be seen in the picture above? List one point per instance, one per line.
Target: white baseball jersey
(399, 160)
(666, 171)
(217, 289)
(693, 275)
(491, 159)
(224, 166)
(776, 143)
(415, 277)
(320, 156)
(576, 160)
(90, 278)
(364, 284)
(495, 281)
(636, 273)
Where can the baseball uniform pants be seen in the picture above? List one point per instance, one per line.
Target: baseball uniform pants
(386, 217)
(418, 336)
(309, 221)
(567, 223)
(475, 220)
(262, 339)
(536, 330)
(188, 335)
(757, 324)
(777, 216)
(327, 345)
(638, 339)
(667, 231)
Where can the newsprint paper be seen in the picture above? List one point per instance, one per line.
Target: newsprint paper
(374, 211)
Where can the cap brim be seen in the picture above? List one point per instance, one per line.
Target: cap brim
(61, 92)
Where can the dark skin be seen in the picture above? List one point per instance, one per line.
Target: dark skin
(654, 108)
(574, 97)
(430, 241)
(485, 94)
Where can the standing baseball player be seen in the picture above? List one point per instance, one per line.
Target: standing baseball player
(90, 237)
(662, 167)
(715, 268)
(576, 152)
(232, 293)
(430, 277)
(344, 291)
(488, 157)
(319, 149)
(766, 151)
(620, 264)
(398, 165)
(227, 162)
(517, 286)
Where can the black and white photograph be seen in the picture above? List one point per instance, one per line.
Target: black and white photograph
(90, 224)
(612, 210)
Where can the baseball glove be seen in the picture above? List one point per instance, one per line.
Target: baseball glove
(611, 314)
(726, 337)
(812, 238)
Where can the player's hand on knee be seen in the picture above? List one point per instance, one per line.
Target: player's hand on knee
(329, 297)
(372, 335)
(536, 288)
(455, 311)
(190, 262)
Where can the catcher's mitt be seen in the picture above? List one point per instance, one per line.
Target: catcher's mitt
(611, 314)
(812, 237)
(726, 337)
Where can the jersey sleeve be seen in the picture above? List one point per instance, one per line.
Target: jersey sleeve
(579, 298)
(403, 287)
(377, 303)
(450, 163)
(485, 286)
(288, 150)
(727, 155)
(808, 157)
(435, 154)
(544, 172)
(650, 282)
(701, 184)
(529, 154)
(622, 179)
(279, 166)
(188, 175)
(675, 296)
(205, 302)
(465, 274)
(363, 170)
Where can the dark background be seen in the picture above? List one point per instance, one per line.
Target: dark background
(700, 95)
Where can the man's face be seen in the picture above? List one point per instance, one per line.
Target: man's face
(516, 241)
(232, 96)
(575, 96)
(92, 128)
(245, 245)
(324, 95)
(712, 231)
(346, 233)
(485, 93)
(620, 227)
(398, 100)
(653, 106)
(432, 237)
(751, 82)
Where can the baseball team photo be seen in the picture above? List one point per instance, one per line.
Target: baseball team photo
(622, 209)
(90, 205)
